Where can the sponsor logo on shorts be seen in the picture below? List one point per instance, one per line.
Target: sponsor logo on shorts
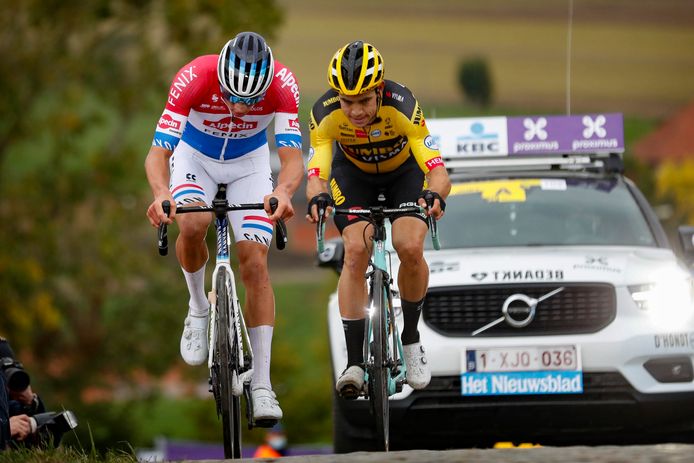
(337, 195)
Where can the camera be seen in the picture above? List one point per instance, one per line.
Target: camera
(48, 428)
(17, 379)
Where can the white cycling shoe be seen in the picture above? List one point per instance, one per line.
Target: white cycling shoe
(351, 382)
(194, 339)
(266, 408)
(418, 372)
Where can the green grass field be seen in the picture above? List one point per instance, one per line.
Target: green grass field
(633, 57)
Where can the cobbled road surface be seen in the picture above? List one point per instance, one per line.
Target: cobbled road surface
(663, 453)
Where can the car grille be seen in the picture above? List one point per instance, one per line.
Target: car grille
(578, 308)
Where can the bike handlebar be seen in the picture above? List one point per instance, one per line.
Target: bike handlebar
(370, 211)
(280, 227)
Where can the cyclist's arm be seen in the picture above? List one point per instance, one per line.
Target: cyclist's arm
(429, 159)
(314, 187)
(319, 163)
(157, 170)
(167, 135)
(437, 181)
(288, 142)
(288, 180)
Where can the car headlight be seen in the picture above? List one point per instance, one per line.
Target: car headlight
(669, 299)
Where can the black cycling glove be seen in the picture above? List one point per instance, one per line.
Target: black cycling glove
(429, 197)
(322, 201)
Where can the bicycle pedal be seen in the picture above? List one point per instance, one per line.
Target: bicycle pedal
(269, 423)
(349, 393)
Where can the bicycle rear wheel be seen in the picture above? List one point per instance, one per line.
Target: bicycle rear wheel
(380, 372)
(227, 362)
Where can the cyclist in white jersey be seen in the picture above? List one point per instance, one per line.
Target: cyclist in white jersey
(213, 131)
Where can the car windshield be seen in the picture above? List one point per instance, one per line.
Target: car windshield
(543, 212)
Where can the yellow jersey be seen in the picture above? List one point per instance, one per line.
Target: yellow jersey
(398, 132)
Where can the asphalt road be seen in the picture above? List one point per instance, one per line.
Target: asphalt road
(663, 453)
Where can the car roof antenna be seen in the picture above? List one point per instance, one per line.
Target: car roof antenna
(568, 57)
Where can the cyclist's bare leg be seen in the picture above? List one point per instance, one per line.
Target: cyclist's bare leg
(260, 301)
(192, 254)
(260, 317)
(408, 240)
(351, 289)
(352, 299)
(413, 279)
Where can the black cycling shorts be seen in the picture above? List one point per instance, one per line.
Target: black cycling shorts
(351, 187)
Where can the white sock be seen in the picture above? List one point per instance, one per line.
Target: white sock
(261, 343)
(198, 303)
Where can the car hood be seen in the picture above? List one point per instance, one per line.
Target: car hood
(615, 265)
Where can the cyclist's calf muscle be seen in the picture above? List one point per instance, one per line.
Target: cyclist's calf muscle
(352, 287)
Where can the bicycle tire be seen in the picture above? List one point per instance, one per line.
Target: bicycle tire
(380, 374)
(227, 363)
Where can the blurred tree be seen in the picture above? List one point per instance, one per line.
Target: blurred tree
(674, 184)
(475, 81)
(83, 84)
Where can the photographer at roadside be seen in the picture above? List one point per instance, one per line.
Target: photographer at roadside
(11, 428)
(22, 399)
(28, 423)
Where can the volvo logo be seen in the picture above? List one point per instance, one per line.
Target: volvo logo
(518, 310)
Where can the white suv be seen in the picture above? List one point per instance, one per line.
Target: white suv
(557, 311)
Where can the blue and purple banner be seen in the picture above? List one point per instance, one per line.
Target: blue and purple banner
(510, 136)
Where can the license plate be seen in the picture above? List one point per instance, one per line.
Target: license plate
(527, 358)
(529, 370)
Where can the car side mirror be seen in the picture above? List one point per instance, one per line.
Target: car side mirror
(333, 255)
(686, 233)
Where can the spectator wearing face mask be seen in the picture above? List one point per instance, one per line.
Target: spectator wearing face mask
(275, 444)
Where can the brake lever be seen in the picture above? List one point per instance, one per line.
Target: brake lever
(163, 233)
(280, 227)
(433, 226)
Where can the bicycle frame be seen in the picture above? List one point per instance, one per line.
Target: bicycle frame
(380, 264)
(230, 363)
(223, 260)
(385, 362)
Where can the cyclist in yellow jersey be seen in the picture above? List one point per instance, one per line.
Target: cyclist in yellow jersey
(369, 141)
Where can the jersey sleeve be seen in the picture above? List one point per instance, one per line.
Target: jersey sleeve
(320, 154)
(286, 89)
(422, 144)
(186, 89)
(287, 130)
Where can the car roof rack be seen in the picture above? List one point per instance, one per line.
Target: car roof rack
(590, 142)
(610, 163)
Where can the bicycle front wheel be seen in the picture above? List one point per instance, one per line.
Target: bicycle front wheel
(379, 375)
(227, 362)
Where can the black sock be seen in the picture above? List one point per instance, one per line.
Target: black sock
(410, 315)
(354, 337)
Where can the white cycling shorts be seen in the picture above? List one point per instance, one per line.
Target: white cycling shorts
(195, 177)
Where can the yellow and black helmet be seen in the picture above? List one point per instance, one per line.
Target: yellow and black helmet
(356, 68)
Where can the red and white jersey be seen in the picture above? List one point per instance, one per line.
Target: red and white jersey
(196, 114)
